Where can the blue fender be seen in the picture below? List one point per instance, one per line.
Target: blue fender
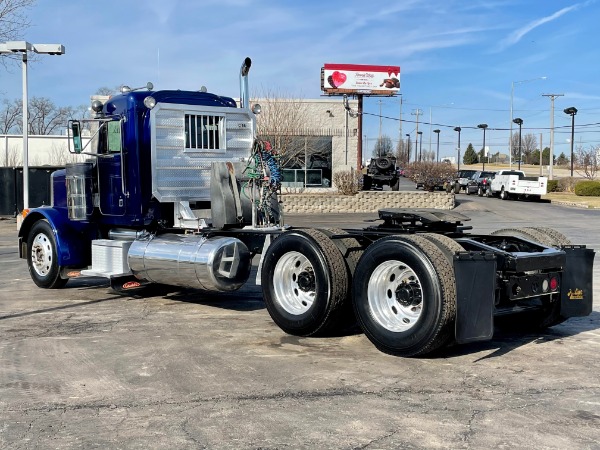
(73, 239)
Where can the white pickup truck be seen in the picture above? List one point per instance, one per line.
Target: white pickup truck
(515, 184)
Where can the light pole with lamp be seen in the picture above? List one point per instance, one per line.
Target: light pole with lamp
(438, 145)
(24, 47)
(408, 148)
(519, 122)
(483, 126)
(512, 95)
(571, 112)
(420, 136)
(457, 129)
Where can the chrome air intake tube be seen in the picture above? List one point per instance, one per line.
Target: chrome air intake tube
(218, 263)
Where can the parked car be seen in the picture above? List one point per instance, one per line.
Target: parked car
(479, 183)
(380, 172)
(460, 181)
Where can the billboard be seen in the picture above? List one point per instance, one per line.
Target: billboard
(360, 79)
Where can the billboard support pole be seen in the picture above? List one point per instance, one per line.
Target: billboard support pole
(359, 149)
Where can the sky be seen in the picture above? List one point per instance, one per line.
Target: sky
(461, 62)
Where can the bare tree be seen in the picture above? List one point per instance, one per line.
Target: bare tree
(383, 146)
(10, 113)
(10, 157)
(528, 145)
(403, 150)
(105, 90)
(282, 122)
(13, 23)
(588, 161)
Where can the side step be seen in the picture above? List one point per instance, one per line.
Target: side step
(109, 259)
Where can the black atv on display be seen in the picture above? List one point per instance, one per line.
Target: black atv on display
(381, 171)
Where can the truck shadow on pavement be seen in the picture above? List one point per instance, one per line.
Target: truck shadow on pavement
(505, 340)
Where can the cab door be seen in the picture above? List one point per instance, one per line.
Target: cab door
(111, 185)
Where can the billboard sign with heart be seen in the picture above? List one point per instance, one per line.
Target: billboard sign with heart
(360, 79)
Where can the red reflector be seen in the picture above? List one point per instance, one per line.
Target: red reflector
(553, 284)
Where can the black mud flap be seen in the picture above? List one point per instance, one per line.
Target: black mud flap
(127, 284)
(475, 296)
(576, 285)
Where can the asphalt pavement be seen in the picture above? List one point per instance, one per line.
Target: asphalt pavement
(83, 367)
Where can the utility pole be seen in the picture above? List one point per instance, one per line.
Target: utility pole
(541, 156)
(417, 112)
(551, 160)
(400, 137)
(379, 122)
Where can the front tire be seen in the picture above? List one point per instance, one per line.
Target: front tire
(404, 295)
(42, 257)
(305, 283)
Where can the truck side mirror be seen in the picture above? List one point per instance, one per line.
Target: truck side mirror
(76, 135)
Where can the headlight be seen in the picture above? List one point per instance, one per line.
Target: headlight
(150, 102)
(256, 108)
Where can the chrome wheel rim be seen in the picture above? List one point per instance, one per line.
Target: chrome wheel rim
(395, 296)
(41, 255)
(294, 283)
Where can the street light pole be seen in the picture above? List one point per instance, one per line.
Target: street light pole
(408, 148)
(438, 145)
(572, 111)
(24, 47)
(420, 136)
(483, 126)
(519, 122)
(458, 161)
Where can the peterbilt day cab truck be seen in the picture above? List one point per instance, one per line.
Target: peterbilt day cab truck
(515, 184)
(178, 190)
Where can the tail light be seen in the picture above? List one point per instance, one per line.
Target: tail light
(553, 284)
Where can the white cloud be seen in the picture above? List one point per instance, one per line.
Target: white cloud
(518, 34)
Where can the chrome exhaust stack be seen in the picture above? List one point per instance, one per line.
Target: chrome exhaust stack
(244, 95)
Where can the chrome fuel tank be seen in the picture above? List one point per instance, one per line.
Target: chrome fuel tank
(218, 263)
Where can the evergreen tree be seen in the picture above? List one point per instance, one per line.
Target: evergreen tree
(562, 160)
(470, 157)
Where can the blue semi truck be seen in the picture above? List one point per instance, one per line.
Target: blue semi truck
(178, 190)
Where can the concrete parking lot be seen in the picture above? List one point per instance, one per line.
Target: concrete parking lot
(83, 367)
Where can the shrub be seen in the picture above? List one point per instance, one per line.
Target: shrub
(348, 182)
(566, 184)
(431, 174)
(588, 188)
(552, 185)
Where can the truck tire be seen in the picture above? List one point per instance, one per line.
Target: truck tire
(349, 247)
(395, 184)
(383, 163)
(404, 295)
(305, 283)
(503, 194)
(448, 245)
(351, 250)
(526, 233)
(367, 183)
(488, 192)
(557, 237)
(480, 191)
(42, 257)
